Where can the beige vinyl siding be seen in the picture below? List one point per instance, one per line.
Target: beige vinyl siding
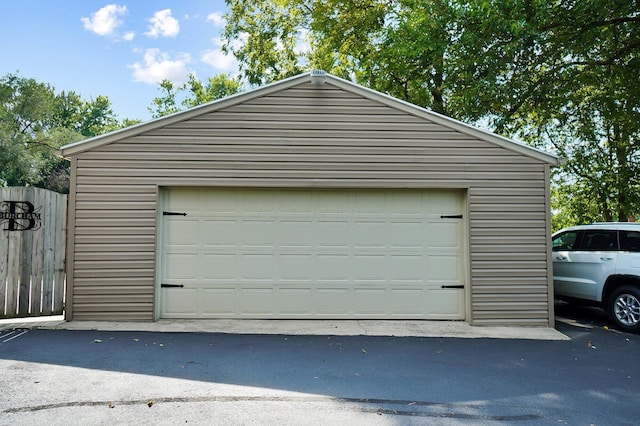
(114, 253)
(308, 136)
(508, 253)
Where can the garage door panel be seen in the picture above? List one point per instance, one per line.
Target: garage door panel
(295, 267)
(368, 234)
(294, 233)
(312, 254)
(333, 233)
(444, 234)
(224, 233)
(256, 301)
(188, 199)
(180, 266)
(182, 232)
(364, 202)
(443, 203)
(218, 267)
(406, 203)
(330, 267)
(217, 302)
(260, 233)
(370, 268)
(338, 203)
(444, 268)
(258, 267)
(299, 202)
(443, 299)
(366, 302)
(295, 302)
(408, 268)
(332, 302)
(180, 302)
(408, 301)
(228, 203)
(407, 234)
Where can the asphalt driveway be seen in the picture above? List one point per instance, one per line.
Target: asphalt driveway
(126, 377)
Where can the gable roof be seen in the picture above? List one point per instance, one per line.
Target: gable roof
(97, 141)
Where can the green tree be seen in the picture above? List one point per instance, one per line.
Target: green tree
(574, 87)
(165, 104)
(97, 117)
(193, 93)
(395, 47)
(25, 119)
(35, 122)
(263, 36)
(217, 87)
(89, 118)
(558, 75)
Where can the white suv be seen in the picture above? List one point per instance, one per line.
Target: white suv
(600, 263)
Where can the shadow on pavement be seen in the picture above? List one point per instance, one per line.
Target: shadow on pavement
(521, 377)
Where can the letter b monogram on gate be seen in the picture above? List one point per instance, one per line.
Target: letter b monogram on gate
(19, 216)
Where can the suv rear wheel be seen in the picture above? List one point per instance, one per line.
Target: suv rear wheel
(624, 308)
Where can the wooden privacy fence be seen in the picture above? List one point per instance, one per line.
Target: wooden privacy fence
(32, 252)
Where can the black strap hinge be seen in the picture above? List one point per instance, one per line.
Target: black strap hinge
(173, 214)
(451, 216)
(452, 286)
(172, 285)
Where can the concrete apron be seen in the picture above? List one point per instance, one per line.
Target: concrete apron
(456, 329)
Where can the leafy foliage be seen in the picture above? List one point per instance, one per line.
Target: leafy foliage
(165, 104)
(559, 75)
(587, 104)
(35, 122)
(264, 36)
(194, 93)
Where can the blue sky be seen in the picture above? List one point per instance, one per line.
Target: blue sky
(117, 49)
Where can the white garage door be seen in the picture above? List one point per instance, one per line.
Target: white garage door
(366, 254)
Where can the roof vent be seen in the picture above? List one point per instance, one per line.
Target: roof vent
(318, 77)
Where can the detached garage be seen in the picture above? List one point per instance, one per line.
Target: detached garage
(312, 198)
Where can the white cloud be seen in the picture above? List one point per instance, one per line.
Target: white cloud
(163, 25)
(105, 20)
(128, 36)
(217, 19)
(158, 66)
(218, 60)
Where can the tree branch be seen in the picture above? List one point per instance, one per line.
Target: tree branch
(594, 24)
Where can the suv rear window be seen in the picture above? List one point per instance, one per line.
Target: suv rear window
(599, 240)
(630, 241)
